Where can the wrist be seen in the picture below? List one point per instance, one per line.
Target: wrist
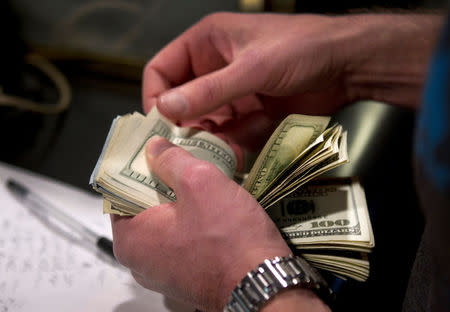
(273, 277)
(295, 299)
(387, 56)
(246, 262)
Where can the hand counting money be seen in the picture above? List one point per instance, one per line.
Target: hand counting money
(299, 150)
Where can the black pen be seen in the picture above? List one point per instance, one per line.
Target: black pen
(42, 207)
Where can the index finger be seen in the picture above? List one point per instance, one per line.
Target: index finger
(170, 67)
(192, 54)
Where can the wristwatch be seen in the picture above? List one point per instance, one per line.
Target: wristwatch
(272, 276)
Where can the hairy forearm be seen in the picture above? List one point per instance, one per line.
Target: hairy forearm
(387, 56)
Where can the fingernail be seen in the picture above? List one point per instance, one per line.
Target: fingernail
(173, 103)
(155, 146)
(149, 104)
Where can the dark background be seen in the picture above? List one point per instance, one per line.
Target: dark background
(102, 57)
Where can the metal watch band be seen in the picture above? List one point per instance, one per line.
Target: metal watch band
(272, 276)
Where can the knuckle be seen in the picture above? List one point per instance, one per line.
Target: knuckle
(257, 66)
(214, 17)
(211, 88)
(257, 60)
(166, 159)
(147, 72)
(147, 69)
(198, 176)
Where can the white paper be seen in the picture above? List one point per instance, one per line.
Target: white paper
(44, 267)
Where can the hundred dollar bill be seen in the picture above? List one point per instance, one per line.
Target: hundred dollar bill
(299, 150)
(292, 136)
(328, 222)
(325, 212)
(357, 268)
(326, 156)
(122, 175)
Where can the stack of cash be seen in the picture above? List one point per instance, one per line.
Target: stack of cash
(327, 223)
(121, 174)
(300, 149)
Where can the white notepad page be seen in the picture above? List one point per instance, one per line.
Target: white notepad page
(45, 267)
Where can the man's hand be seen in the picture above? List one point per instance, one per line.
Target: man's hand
(226, 57)
(236, 76)
(237, 73)
(198, 248)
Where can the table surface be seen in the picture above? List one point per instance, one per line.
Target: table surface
(45, 266)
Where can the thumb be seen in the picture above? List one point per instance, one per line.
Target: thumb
(208, 92)
(186, 175)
